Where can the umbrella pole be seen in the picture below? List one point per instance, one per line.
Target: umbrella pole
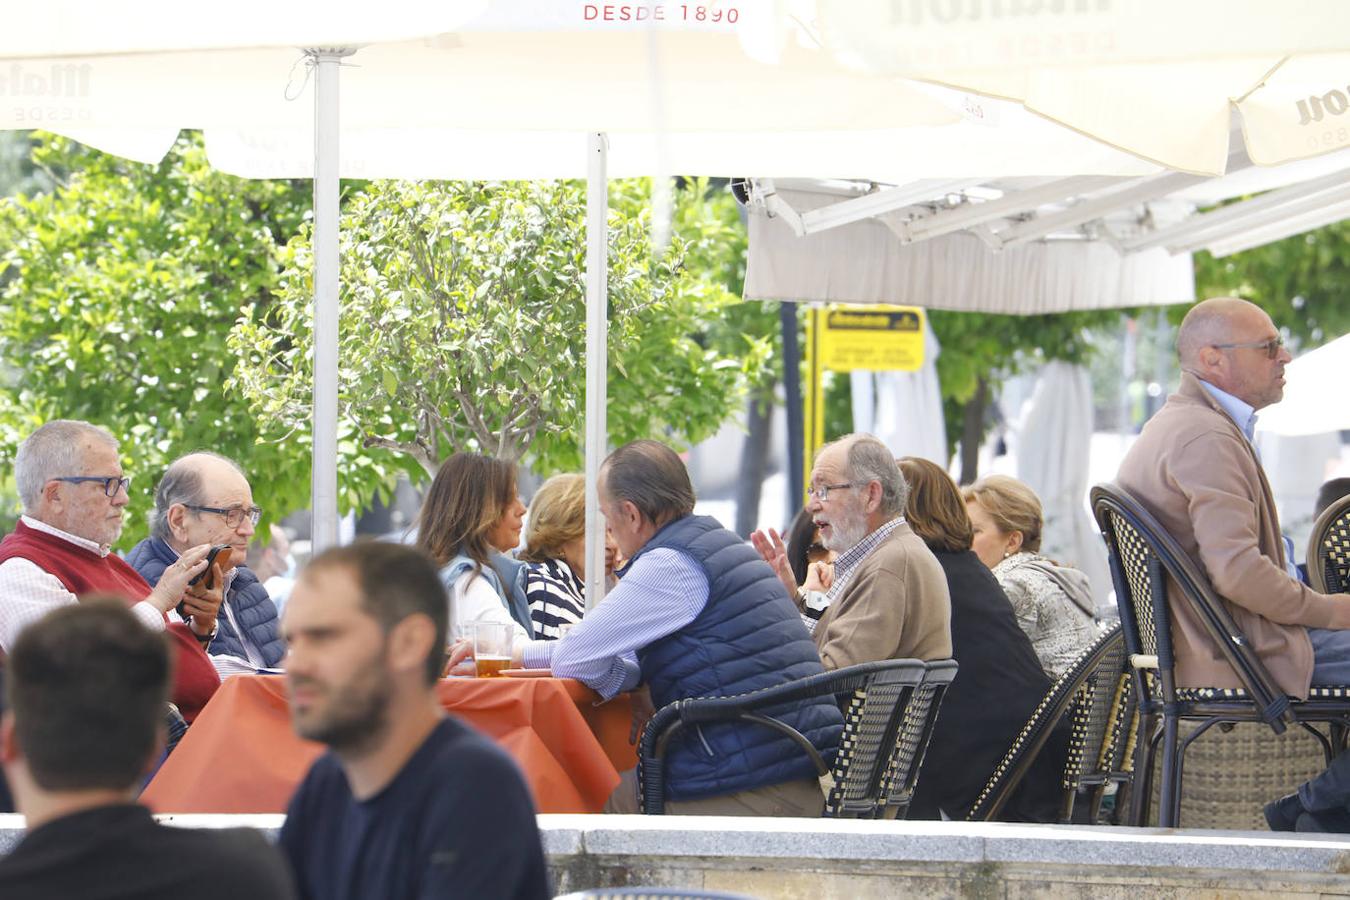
(597, 358)
(323, 485)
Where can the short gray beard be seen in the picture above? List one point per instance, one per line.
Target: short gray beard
(846, 532)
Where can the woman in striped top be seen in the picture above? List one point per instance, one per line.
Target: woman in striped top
(555, 556)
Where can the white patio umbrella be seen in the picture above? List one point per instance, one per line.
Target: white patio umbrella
(116, 83)
(1316, 395)
(1052, 440)
(1156, 77)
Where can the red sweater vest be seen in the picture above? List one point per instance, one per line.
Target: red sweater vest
(85, 572)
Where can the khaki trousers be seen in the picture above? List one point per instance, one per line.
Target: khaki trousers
(800, 799)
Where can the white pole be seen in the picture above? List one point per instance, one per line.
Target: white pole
(597, 358)
(323, 485)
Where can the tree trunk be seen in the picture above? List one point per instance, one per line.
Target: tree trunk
(754, 459)
(972, 432)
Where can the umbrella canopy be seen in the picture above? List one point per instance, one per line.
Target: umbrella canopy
(1155, 77)
(504, 92)
(1315, 396)
(869, 262)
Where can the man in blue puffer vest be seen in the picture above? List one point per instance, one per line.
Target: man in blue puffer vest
(204, 498)
(697, 613)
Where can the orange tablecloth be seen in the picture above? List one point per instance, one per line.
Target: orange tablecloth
(241, 756)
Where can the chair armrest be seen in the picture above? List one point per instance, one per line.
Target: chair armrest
(669, 720)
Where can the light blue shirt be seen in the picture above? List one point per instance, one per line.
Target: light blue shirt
(661, 593)
(1244, 416)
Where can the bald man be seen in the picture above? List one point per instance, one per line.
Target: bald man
(1195, 468)
(204, 498)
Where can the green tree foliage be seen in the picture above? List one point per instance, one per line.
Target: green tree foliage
(1302, 281)
(985, 348)
(463, 324)
(118, 289)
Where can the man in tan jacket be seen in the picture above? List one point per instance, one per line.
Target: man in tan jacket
(888, 596)
(1194, 467)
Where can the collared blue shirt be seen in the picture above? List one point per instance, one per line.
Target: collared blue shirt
(1240, 411)
(663, 591)
(1244, 416)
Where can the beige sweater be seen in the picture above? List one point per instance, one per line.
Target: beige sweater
(895, 607)
(1195, 471)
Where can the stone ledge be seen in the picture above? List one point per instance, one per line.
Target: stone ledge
(830, 840)
(824, 858)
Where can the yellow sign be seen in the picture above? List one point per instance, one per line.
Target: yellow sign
(877, 338)
(841, 338)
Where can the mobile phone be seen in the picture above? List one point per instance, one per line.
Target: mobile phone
(210, 558)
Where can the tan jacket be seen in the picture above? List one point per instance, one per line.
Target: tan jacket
(895, 607)
(1193, 468)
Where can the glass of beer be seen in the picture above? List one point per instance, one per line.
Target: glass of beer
(491, 648)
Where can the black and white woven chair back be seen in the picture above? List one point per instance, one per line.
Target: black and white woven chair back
(1329, 549)
(1053, 706)
(1146, 562)
(873, 717)
(916, 729)
(1104, 725)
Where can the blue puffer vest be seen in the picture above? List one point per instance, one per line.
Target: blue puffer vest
(749, 636)
(503, 568)
(247, 599)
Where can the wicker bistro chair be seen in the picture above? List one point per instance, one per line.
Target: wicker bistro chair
(1329, 549)
(1095, 692)
(1146, 565)
(889, 710)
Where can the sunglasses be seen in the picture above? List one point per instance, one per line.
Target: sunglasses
(1272, 346)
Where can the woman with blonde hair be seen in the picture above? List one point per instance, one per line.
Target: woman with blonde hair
(1053, 603)
(555, 556)
(471, 518)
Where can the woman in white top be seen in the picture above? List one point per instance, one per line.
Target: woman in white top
(470, 519)
(1053, 603)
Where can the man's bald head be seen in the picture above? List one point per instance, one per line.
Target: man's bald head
(1211, 322)
(1226, 342)
(194, 481)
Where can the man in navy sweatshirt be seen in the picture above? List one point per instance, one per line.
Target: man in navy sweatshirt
(409, 802)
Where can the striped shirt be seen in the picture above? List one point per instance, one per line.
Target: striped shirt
(845, 565)
(556, 596)
(662, 592)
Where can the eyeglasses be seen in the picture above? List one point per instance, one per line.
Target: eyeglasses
(234, 516)
(822, 493)
(1272, 346)
(111, 483)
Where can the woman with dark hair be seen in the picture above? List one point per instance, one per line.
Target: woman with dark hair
(1000, 681)
(471, 518)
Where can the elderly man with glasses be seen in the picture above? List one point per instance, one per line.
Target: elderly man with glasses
(888, 597)
(204, 498)
(73, 491)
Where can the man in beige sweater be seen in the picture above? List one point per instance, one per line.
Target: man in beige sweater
(1195, 468)
(888, 596)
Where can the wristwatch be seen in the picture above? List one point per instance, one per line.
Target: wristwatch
(206, 639)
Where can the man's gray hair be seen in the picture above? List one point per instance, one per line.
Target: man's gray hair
(868, 460)
(651, 476)
(182, 483)
(55, 450)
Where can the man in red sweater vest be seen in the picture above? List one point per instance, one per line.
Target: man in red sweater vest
(70, 481)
